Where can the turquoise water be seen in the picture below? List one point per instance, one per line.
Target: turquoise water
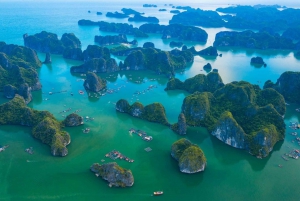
(231, 174)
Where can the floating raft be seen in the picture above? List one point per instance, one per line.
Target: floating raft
(118, 155)
(141, 133)
(148, 149)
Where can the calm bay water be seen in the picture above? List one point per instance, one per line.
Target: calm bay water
(231, 174)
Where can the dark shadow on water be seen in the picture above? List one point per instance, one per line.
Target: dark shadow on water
(37, 98)
(196, 134)
(174, 93)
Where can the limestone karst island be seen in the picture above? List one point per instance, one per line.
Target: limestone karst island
(136, 100)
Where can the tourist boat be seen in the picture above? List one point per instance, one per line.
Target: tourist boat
(158, 193)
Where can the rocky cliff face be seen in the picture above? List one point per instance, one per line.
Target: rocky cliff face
(239, 114)
(96, 59)
(25, 91)
(288, 84)
(94, 83)
(47, 58)
(196, 108)
(180, 126)
(114, 174)
(229, 131)
(190, 157)
(96, 65)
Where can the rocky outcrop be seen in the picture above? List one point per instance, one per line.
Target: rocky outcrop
(45, 127)
(129, 11)
(121, 28)
(207, 67)
(114, 174)
(239, 114)
(209, 51)
(73, 120)
(9, 91)
(174, 11)
(149, 5)
(198, 17)
(49, 43)
(180, 126)
(229, 131)
(258, 61)
(139, 18)
(114, 40)
(116, 15)
(190, 157)
(178, 31)
(17, 70)
(201, 83)
(25, 91)
(288, 84)
(148, 45)
(154, 112)
(250, 39)
(48, 58)
(157, 60)
(94, 83)
(96, 59)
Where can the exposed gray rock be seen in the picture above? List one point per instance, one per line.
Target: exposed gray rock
(48, 58)
(94, 83)
(114, 174)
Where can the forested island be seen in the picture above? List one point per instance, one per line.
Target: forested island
(18, 73)
(44, 126)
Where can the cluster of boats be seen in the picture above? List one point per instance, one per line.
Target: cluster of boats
(86, 130)
(118, 155)
(141, 133)
(29, 150)
(294, 125)
(3, 148)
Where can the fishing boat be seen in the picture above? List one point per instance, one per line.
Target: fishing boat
(158, 193)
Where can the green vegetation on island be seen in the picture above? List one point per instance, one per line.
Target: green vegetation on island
(239, 114)
(154, 112)
(200, 83)
(190, 157)
(165, 62)
(96, 59)
(250, 39)
(44, 126)
(18, 73)
(114, 174)
(288, 84)
(94, 83)
(49, 42)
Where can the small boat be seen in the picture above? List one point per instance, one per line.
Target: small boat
(80, 92)
(158, 193)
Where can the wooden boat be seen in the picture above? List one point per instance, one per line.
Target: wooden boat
(158, 193)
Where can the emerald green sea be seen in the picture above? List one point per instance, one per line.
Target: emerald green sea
(231, 174)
